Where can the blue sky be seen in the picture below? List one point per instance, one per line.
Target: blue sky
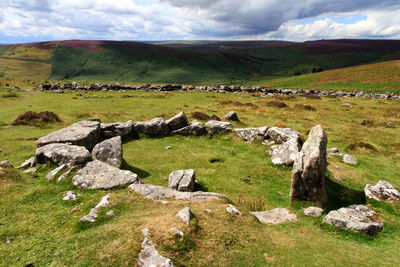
(292, 20)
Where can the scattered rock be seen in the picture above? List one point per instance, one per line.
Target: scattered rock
(356, 218)
(56, 171)
(168, 147)
(182, 180)
(155, 192)
(154, 127)
(99, 175)
(70, 195)
(231, 116)
(110, 213)
(332, 150)
(28, 163)
(177, 231)
(347, 105)
(6, 164)
(349, 159)
(177, 122)
(286, 154)
(308, 175)
(313, 211)
(84, 133)
(275, 216)
(109, 130)
(185, 215)
(252, 134)
(208, 211)
(60, 154)
(149, 256)
(233, 210)
(31, 170)
(281, 135)
(65, 175)
(109, 151)
(93, 214)
(213, 127)
(381, 191)
(195, 128)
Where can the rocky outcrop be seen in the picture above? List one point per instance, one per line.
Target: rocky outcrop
(214, 127)
(109, 151)
(99, 175)
(84, 133)
(185, 215)
(195, 128)
(251, 134)
(154, 127)
(381, 191)
(177, 122)
(182, 180)
(313, 211)
(122, 129)
(308, 175)
(60, 154)
(275, 216)
(155, 192)
(231, 116)
(281, 135)
(355, 217)
(149, 256)
(286, 153)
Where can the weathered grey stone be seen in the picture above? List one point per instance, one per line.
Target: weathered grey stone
(231, 116)
(233, 210)
(349, 159)
(30, 170)
(28, 163)
(347, 105)
(308, 175)
(182, 180)
(65, 175)
(251, 134)
(286, 153)
(83, 133)
(56, 171)
(177, 122)
(185, 215)
(99, 175)
(93, 214)
(381, 191)
(177, 231)
(70, 195)
(159, 192)
(213, 127)
(149, 256)
(109, 130)
(168, 147)
(110, 213)
(313, 211)
(275, 216)
(281, 135)
(6, 164)
(195, 128)
(60, 154)
(154, 127)
(109, 151)
(332, 150)
(356, 218)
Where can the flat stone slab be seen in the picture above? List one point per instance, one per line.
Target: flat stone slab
(109, 130)
(155, 192)
(313, 212)
(251, 134)
(381, 191)
(195, 128)
(84, 133)
(182, 180)
(60, 154)
(214, 127)
(356, 218)
(99, 175)
(154, 127)
(275, 216)
(281, 135)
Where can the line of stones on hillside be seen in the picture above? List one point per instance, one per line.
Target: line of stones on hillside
(57, 87)
(95, 149)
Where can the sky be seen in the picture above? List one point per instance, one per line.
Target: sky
(146, 20)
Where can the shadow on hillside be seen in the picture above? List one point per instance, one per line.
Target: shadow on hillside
(142, 173)
(342, 196)
(199, 187)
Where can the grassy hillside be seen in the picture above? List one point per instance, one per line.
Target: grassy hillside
(187, 62)
(37, 227)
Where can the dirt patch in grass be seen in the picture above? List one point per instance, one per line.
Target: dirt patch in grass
(36, 119)
(278, 104)
(10, 95)
(305, 107)
(200, 116)
(362, 145)
(239, 104)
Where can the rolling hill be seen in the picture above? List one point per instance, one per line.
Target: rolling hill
(197, 62)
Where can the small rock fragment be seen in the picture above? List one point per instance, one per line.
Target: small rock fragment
(110, 213)
(233, 210)
(177, 231)
(349, 159)
(149, 256)
(168, 147)
(31, 170)
(29, 162)
(70, 195)
(6, 164)
(275, 216)
(65, 175)
(231, 116)
(54, 172)
(185, 215)
(313, 211)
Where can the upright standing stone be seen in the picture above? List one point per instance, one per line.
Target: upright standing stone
(308, 175)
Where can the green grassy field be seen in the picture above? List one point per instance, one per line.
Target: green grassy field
(37, 227)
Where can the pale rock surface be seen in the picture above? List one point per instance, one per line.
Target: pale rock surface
(109, 130)
(60, 154)
(281, 135)
(233, 210)
(53, 173)
(349, 159)
(275, 216)
(177, 122)
(99, 175)
(109, 151)
(381, 191)
(30, 170)
(251, 134)
(177, 231)
(65, 175)
(149, 256)
(70, 195)
(6, 164)
(286, 153)
(185, 215)
(214, 127)
(154, 127)
(93, 214)
(84, 133)
(196, 128)
(355, 217)
(28, 163)
(313, 211)
(182, 180)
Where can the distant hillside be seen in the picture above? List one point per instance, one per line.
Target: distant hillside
(197, 62)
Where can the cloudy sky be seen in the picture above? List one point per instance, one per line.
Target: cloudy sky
(293, 20)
